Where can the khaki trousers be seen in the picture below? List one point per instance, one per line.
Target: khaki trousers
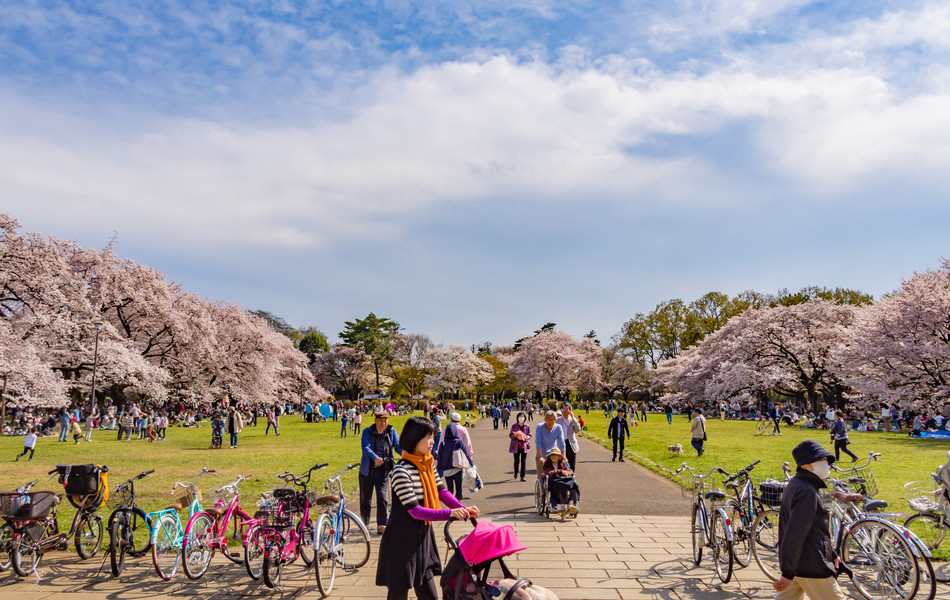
(816, 589)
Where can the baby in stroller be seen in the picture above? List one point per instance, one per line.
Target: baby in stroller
(217, 430)
(561, 485)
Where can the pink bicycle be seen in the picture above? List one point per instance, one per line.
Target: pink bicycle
(209, 529)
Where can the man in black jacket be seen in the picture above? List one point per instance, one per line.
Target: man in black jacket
(617, 431)
(807, 557)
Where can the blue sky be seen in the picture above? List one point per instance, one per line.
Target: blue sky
(476, 169)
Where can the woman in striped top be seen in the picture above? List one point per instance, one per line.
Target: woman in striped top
(408, 555)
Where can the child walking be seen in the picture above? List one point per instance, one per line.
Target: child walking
(29, 444)
(75, 429)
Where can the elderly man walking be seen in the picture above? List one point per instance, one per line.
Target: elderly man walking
(378, 442)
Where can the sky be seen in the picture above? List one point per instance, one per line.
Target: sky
(474, 170)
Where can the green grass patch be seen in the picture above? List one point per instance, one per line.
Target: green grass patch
(185, 451)
(733, 445)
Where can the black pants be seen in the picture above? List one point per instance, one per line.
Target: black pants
(31, 450)
(778, 425)
(842, 446)
(571, 456)
(620, 441)
(454, 484)
(504, 423)
(378, 480)
(521, 457)
(495, 419)
(356, 427)
(426, 591)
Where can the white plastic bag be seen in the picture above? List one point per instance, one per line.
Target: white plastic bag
(470, 479)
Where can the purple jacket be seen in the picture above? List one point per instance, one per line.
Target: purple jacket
(517, 445)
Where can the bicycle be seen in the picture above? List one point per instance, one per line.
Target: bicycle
(766, 427)
(36, 517)
(208, 529)
(341, 536)
(932, 517)
(167, 535)
(127, 524)
(284, 531)
(743, 509)
(765, 526)
(863, 479)
(6, 530)
(707, 531)
(884, 557)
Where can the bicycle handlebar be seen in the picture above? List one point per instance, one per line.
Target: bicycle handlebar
(26, 488)
(872, 456)
(741, 472)
(684, 466)
(204, 471)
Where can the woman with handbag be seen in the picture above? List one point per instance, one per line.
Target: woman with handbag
(520, 444)
(455, 454)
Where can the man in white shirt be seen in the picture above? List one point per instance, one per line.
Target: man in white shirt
(570, 425)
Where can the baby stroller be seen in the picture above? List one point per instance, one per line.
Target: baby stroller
(215, 439)
(466, 575)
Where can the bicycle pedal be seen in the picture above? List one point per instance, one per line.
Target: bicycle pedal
(349, 569)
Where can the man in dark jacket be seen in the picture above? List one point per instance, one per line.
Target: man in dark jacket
(807, 558)
(617, 431)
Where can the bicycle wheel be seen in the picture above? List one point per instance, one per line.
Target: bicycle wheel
(88, 538)
(272, 564)
(539, 497)
(721, 547)
(698, 535)
(118, 541)
(326, 555)
(234, 533)
(166, 547)
(6, 545)
(354, 542)
(928, 579)
(197, 552)
(741, 528)
(140, 533)
(760, 428)
(882, 561)
(765, 543)
(930, 528)
(254, 553)
(24, 557)
(306, 543)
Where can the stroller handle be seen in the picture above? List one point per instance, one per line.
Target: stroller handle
(448, 538)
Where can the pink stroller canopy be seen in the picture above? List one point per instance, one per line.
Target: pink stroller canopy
(488, 541)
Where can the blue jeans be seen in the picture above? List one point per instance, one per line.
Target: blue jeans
(234, 439)
(269, 425)
(698, 445)
(63, 433)
(669, 418)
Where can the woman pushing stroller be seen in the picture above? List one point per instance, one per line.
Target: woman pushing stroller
(564, 491)
(408, 555)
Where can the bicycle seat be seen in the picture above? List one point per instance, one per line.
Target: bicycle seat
(714, 495)
(173, 507)
(328, 499)
(57, 500)
(215, 511)
(875, 505)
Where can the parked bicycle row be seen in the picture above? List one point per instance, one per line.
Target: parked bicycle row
(884, 554)
(290, 522)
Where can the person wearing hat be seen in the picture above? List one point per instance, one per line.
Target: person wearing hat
(449, 461)
(807, 559)
(561, 485)
(618, 430)
(378, 443)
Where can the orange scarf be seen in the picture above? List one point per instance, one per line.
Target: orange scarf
(430, 490)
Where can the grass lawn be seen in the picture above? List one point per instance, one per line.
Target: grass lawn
(181, 456)
(733, 445)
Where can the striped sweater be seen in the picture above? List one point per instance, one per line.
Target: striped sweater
(406, 484)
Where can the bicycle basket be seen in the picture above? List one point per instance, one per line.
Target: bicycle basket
(921, 498)
(692, 485)
(312, 498)
(274, 518)
(222, 496)
(868, 488)
(770, 492)
(27, 506)
(267, 502)
(120, 497)
(187, 495)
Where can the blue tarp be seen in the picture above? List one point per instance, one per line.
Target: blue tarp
(935, 434)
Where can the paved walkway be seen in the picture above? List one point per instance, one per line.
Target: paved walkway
(607, 487)
(596, 556)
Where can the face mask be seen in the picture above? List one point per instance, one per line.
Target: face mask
(521, 419)
(822, 469)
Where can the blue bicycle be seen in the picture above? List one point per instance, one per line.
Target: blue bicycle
(341, 536)
(168, 534)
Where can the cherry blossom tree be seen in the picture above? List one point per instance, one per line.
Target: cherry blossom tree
(898, 349)
(456, 369)
(343, 368)
(25, 380)
(557, 362)
(785, 349)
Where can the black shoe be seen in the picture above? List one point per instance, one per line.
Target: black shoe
(622, 460)
(613, 459)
